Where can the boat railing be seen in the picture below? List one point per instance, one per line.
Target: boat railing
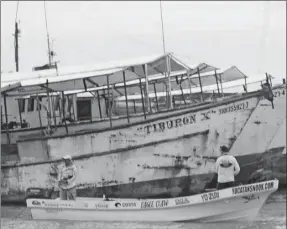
(182, 99)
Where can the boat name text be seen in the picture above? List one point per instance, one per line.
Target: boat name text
(170, 124)
(154, 204)
(252, 188)
(181, 201)
(210, 196)
(232, 108)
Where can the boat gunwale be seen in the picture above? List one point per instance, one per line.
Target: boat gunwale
(122, 117)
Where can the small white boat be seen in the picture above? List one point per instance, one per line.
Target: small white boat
(231, 204)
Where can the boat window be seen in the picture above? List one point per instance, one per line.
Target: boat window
(30, 104)
(84, 109)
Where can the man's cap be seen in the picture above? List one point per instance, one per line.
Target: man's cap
(67, 157)
(224, 149)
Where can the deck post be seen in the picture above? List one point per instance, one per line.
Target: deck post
(215, 74)
(109, 102)
(64, 114)
(200, 84)
(49, 107)
(189, 82)
(168, 68)
(99, 104)
(135, 110)
(54, 113)
(147, 89)
(6, 117)
(221, 84)
(182, 94)
(245, 82)
(39, 112)
(74, 98)
(155, 94)
(143, 106)
(20, 115)
(126, 96)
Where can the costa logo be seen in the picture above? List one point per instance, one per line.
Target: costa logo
(118, 204)
(125, 205)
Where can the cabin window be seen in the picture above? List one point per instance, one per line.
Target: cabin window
(39, 106)
(22, 105)
(30, 104)
(84, 109)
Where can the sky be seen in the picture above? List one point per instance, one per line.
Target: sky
(249, 34)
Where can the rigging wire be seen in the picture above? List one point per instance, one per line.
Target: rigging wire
(17, 12)
(162, 28)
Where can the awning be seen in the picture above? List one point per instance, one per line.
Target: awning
(85, 77)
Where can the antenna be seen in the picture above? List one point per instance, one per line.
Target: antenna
(16, 35)
(48, 38)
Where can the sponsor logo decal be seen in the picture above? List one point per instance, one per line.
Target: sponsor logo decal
(181, 201)
(154, 204)
(36, 202)
(101, 206)
(57, 205)
(210, 196)
(253, 188)
(125, 205)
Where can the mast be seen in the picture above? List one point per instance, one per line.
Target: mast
(50, 53)
(16, 44)
(167, 60)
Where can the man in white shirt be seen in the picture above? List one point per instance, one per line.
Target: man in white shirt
(66, 180)
(226, 167)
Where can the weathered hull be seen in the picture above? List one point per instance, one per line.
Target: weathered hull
(172, 156)
(176, 186)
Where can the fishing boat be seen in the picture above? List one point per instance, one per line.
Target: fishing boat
(232, 204)
(161, 151)
(127, 160)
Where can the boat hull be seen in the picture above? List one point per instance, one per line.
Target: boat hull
(232, 204)
(156, 165)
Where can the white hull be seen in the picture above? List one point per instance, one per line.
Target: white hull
(222, 205)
